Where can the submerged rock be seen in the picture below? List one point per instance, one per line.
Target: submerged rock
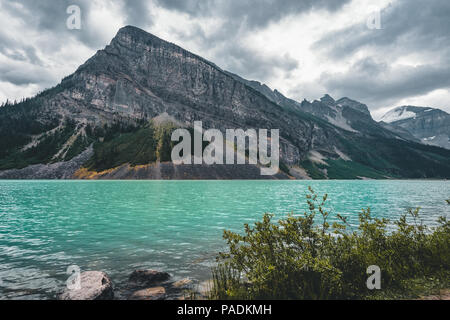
(183, 284)
(157, 293)
(148, 277)
(95, 285)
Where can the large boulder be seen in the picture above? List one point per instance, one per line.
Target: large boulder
(95, 285)
(146, 278)
(157, 293)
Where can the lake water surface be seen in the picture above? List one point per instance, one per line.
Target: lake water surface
(175, 226)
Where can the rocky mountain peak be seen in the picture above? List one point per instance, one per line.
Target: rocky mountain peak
(137, 35)
(356, 105)
(327, 99)
(430, 125)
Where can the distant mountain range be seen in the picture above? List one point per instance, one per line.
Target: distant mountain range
(419, 124)
(113, 118)
(429, 125)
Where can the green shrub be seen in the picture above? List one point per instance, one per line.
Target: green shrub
(307, 257)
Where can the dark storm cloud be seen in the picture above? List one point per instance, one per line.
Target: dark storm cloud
(378, 83)
(192, 7)
(241, 17)
(250, 62)
(26, 74)
(137, 12)
(407, 27)
(50, 17)
(255, 13)
(235, 56)
(17, 51)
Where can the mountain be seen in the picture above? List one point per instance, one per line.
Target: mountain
(113, 118)
(347, 114)
(428, 125)
(273, 95)
(344, 113)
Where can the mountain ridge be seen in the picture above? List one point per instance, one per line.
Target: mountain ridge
(440, 140)
(110, 100)
(428, 125)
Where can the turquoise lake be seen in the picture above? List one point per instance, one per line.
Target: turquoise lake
(175, 226)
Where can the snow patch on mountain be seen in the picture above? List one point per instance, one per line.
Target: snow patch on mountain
(398, 114)
(317, 157)
(340, 121)
(342, 155)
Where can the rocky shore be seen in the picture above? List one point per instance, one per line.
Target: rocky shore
(141, 285)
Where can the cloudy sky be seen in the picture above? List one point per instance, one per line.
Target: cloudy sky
(303, 48)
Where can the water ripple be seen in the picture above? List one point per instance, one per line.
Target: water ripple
(176, 226)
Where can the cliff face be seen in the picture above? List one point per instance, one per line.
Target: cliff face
(430, 126)
(139, 77)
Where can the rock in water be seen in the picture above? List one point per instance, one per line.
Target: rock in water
(95, 285)
(148, 277)
(183, 284)
(157, 293)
